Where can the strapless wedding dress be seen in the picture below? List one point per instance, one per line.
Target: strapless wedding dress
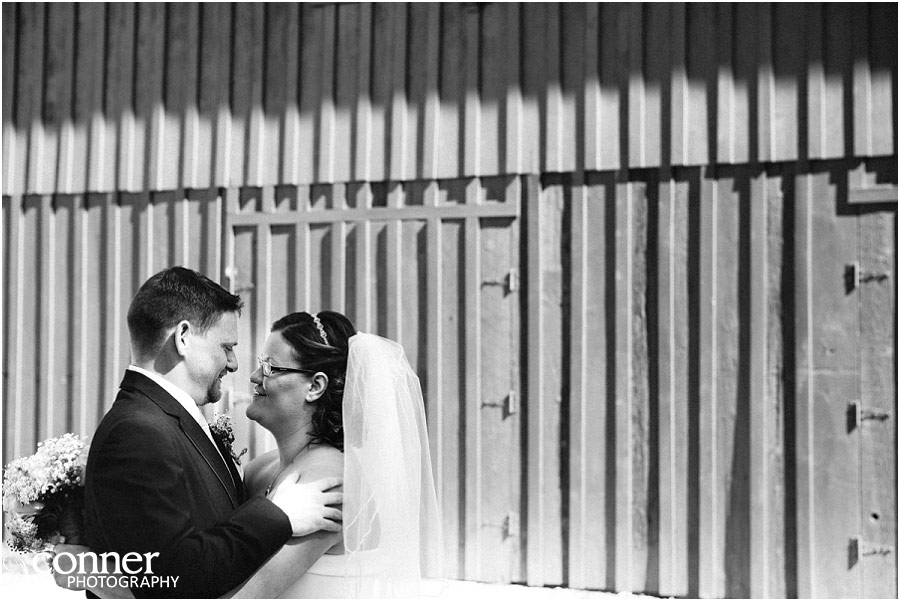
(363, 577)
(333, 577)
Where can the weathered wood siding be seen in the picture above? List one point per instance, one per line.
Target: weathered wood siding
(612, 239)
(129, 97)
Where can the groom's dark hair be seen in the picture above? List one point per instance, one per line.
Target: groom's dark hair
(173, 295)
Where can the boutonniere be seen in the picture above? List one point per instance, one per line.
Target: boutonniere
(221, 427)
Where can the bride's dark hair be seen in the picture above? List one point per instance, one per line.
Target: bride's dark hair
(313, 352)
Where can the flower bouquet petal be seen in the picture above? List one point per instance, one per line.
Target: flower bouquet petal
(44, 495)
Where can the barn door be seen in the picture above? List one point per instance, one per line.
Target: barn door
(433, 265)
(847, 396)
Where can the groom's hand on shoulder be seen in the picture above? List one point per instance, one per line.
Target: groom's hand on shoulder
(310, 506)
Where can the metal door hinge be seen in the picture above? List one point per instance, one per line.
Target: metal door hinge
(860, 548)
(510, 282)
(510, 404)
(511, 525)
(857, 415)
(854, 276)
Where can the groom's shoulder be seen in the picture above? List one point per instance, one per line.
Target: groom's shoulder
(131, 413)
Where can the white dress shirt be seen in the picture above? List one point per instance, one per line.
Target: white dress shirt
(184, 399)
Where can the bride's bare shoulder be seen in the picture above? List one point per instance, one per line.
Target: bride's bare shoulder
(321, 461)
(258, 472)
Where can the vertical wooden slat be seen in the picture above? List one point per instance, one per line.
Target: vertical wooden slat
(89, 153)
(701, 72)
(29, 414)
(148, 89)
(554, 112)
(882, 61)
(81, 272)
(63, 323)
(363, 126)
(14, 326)
(512, 128)
(13, 182)
(580, 571)
(57, 110)
(710, 553)
(862, 81)
(587, 422)
(114, 316)
(533, 86)
(182, 111)
(657, 86)
(346, 94)
(878, 393)
(339, 253)
(636, 95)
(303, 271)
(326, 156)
(765, 85)
(471, 105)
(673, 351)
(310, 90)
(118, 99)
(289, 158)
(451, 92)
(732, 415)
(382, 46)
(243, 76)
(623, 385)
(727, 97)
(544, 349)
(592, 114)
(474, 517)
(429, 148)
(279, 80)
(29, 88)
(789, 26)
(399, 133)
(535, 367)
(452, 357)
(392, 269)
(493, 84)
(806, 550)
(760, 517)
(678, 80)
(215, 88)
(435, 399)
(249, 70)
(48, 418)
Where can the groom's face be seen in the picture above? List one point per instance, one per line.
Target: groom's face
(213, 357)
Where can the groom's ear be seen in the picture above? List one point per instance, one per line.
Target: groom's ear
(182, 335)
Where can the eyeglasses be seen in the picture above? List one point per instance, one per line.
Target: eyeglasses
(268, 368)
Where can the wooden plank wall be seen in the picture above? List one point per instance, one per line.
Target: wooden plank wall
(653, 448)
(626, 418)
(122, 97)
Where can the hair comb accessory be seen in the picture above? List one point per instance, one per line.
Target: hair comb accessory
(321, 328)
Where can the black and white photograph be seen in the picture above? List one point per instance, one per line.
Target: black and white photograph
(449, 300)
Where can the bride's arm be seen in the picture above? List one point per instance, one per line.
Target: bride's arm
(286, 566)
(295, 557)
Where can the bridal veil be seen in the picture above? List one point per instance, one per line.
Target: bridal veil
(392, 525)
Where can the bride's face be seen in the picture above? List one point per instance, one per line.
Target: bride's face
(279, 400)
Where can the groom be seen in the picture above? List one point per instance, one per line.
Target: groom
(158, 480)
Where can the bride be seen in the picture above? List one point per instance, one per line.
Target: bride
(342, 403)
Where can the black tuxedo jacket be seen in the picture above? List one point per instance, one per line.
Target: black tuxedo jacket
(155, 483)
